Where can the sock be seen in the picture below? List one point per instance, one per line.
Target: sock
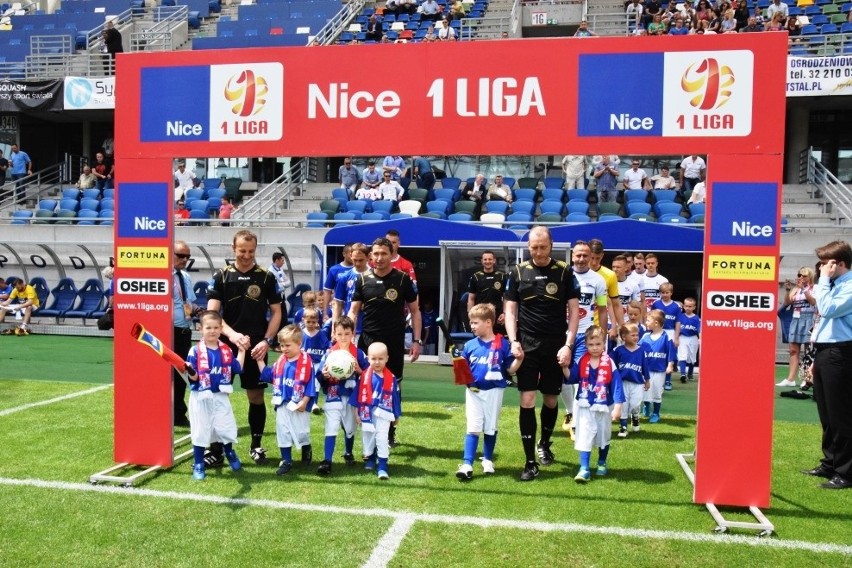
(198, 455)
(216, 448)
(623, 422)
(349, 444)
(471, 441)
(490, 440)
(657, 406)
(229, 447)
(526, 421)
(602, 455)
(585, 457)
(690, 369)
(668, 378)
(383, 464)
(307, 451)
(548, 421)
(682, 366)
(646, 406)
(257, 423)
(329, 447)
(287, 455)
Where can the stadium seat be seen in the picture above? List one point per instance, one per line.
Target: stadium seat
(664, 195)
(70, 193)
(194, 193)
(699, 219)
(577, 194)
(64, 296)
(200, 290)
(43, 216)
(21, 217)
(609, 208)
(197, 205)
(395, 216)
(557, 194)
(528, 183)
(344, 218)
(211, 183)
(90, 299)
(451, 182)
(509, 181)
(642, 217)
(501, 207)
(492, 219)
(410, 206)
(548, 206)
(340, 194)
(640, 207)
(357, 206)
(69, 204)
(39, 284)
(525, 194)
(213, 205)
(523, 206)
(465, 206)
(196, 216)
(447, 194)
(65, 216)
(696, 209)
(383, 206)
(553, 182)
(438, 206)
(577, 218)
(463, 217)
(667, 208)
(90, 204)
(216, 192)
(608, 217)
(330, 206)
(108, 193)
(672, 219)
(549, 218)
(375, 216)
(87, 217)
(317, 219)
(635, 195)
(577, 206)
(419, 194)
(107, 203)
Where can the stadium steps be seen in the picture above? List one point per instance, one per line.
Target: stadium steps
(799, 205)
(606, 17)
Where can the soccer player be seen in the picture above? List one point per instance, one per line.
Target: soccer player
(600, 396)
(630, 360)
(651, 280)
(331, 278)
(26, 300)
(486, 286)
(245, 292)
(397, 260)
(672, 310)
(378, 405)
(292, 378)
(338, 412)
(660, 355)
(490, 358)
(596, 255)
(359, 254)
(687, 347)
(628, 289)
(210, 414)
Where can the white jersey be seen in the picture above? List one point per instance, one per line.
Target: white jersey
(628, 290)
(651, 288)
(592, 289)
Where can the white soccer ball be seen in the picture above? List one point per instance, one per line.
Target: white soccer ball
(341, 364)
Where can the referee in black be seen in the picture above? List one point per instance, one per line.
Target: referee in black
(245, 292)
(486, 286)
(539, 294)
(383, 294)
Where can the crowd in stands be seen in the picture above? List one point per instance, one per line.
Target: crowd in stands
(592, 188)
(654, 17)
(402, 21)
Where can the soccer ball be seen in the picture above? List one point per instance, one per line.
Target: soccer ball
(341, 364)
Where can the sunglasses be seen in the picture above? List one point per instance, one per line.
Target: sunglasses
(183, 256)
(802, 275)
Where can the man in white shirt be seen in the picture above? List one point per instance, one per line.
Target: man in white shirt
(389, 189)
(663, 180)
(777, 6)
(574, 168)
(636, 177)
(699, 193)
(185, 180)
(692, 170)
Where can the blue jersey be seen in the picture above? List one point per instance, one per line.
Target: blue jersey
(290, 391)
(387, 401)
(672, 310)
(340, 391)
(659, 352)
(487, 368)
(333, 273)
(690, 326)
(216, 376)
(344, 291)
(428, 320)
(316, 345)
(631, 364)
(614, 390)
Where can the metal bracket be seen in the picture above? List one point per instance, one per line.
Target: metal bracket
(106, 476)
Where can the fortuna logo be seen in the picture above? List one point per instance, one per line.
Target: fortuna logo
(710, 82)
(247, 91)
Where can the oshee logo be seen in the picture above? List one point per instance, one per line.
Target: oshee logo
(247, 91)
(709, 82)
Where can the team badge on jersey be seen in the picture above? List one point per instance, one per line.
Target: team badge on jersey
(391, 295)
(497, 285)
(253, 292)
(551, 288)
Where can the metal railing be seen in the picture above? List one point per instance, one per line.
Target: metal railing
(819, 45)
(836, 197)
(485, 27)
(618, 21)
(32, 187)
(160, 35)
(264, 204)
(337, 23)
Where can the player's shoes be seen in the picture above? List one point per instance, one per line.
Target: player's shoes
(805, 386)
(530, 472)
(683, 379)
(545, 456)
(690, 378)
(213, 460)
(602, 470)
(393, 442)
(465, 472)
(668, 386)
(21, 331)
(786, 383)
(487, 466)
(307, 455)
(283, 468)
(198, 472)
(349, 459)
(583, 475)
(8, 331)
(566, 424)
(324, 467)
(317, 410)
(383, 475)
(635, 421)
(233, 460)
(654, 418)
(259, 456)
(622, 432)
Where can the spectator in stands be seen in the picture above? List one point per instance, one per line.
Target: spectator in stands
(374, 29)
(777, 7)
(430, 34)
(181, 213)
(112, 45)
(636, 177)
(752, 26)
(583, 30)
(367, 193)
(424, 175)
(687, 12)
(703, 11)
(759, 18)
(394, 165)
(20, 166)
(663, 180)
(431, 10)
(652, 8)
(574, 167)
(606, 176)
(729, 24)
(349, 177)
(476, 192)
(27, 300)
(457, 11)
(184, 179)
(371, 177)
(699, 193)
(776, 24)
(692, 170)
(669, 13)
(407, 7)
(613, 159)
(657, 27)
(4, 164)
(446, 33)
(678, 29)
(226, 209)
(741, 15)
(714, 26)
(104, 170)
(498, 191)
(389, 190)
(87, 179)
(635, 10)
(794, 28)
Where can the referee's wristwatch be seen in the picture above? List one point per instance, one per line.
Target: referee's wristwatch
(269, 340)
(418, 342)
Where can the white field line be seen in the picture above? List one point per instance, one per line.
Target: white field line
(387, 546)
(482, 522)
(52, 400)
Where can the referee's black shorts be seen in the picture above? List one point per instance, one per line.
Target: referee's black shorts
(540, 369)
(396, 350)
(250, 377)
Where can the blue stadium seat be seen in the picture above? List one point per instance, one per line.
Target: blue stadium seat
(47, 204)
(70, 193)
(635, 195)
(90, 299)
(463, 217)
(438, 206)
(64, 296)
(497, 207)
(357, 206)
(39, 284)
(90, 204)
(672, 219)
(91, 193)
(21, 217)
(576, 194)
(375, 216)
(87, 217)
(577, 218)
(451, 182)
(383, 206)
(664, 208)
(524, 206)
(552, 206)
(446, 194)
(524, 194)
(640, 207)
(317, 219)
(664, 195)
(577, 206)
(553, 182)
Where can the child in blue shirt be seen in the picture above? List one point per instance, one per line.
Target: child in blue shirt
(490, 358)
(378, 405)
(671, 310)
(211, 418)
(315, 342)
(687, 344)
(600, 396)
(630, 360)
(635, 315)
(660, 357)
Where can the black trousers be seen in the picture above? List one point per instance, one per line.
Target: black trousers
(833, 395)
(182, 343)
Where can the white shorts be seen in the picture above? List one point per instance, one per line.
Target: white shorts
(339, 414)
(655, 393)
(483, 410)
(374, 436)
(687, 349)
(211, 418)
(594, 429)
(292, 428)
(633, 394)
